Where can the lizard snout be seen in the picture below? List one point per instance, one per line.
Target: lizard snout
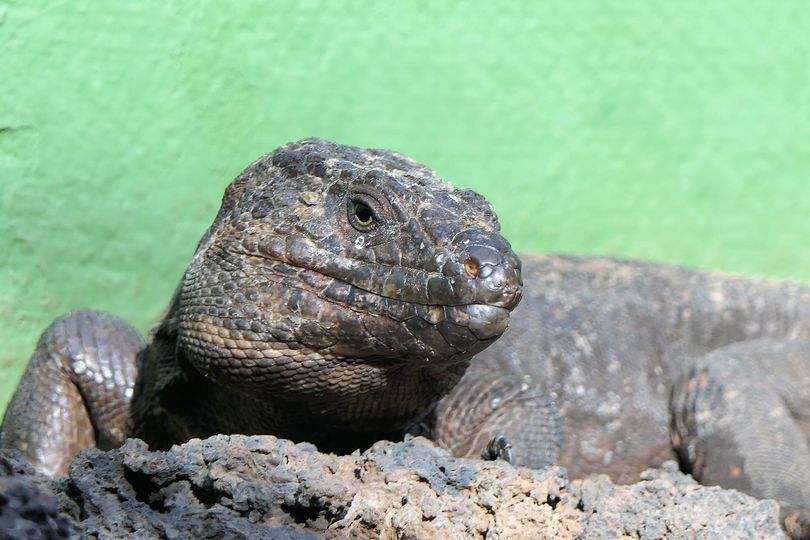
(481, 268)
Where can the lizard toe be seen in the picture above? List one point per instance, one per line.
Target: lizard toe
(498, 447)
(797, 523)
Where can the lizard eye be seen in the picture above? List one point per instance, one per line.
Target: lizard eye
(361, 215)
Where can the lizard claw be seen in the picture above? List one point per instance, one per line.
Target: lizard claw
(498, 447)
(419, 429)
(797, 524)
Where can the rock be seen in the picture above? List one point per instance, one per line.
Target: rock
(262, 487)
(28, 509)
(669, 504)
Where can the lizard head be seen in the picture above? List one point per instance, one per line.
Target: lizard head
(328, 262)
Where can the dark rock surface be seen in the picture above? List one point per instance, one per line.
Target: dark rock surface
(263, 487)
(28, 509)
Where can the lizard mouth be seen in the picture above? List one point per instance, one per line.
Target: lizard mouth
(470, 273)
(326, 310)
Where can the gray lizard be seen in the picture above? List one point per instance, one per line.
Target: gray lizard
(338, 295)
(341, 292)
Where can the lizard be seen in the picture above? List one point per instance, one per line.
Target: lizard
(338, 295)
(610, 366)
(648, 362)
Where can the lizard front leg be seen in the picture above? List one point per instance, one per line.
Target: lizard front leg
(495, 415)
(740, 420)
(75, 392)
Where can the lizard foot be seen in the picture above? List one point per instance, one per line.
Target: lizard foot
(498, 447)
(797, 524)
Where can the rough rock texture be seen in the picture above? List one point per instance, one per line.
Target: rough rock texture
(27, 509)
(263, 487)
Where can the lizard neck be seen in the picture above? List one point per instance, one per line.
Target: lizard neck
(178, 402)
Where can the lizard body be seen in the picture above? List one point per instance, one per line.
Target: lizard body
(649, 362)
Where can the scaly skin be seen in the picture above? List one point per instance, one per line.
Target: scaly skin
(294, 320)
(649, 362)
(338, 295)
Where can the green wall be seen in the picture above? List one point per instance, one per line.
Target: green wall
(665, 130)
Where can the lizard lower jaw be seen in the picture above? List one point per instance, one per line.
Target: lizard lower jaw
(487, 321)
(466, 325)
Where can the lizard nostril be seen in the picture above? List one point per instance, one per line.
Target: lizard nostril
(472, 267)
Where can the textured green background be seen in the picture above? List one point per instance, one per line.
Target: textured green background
(664, 130)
